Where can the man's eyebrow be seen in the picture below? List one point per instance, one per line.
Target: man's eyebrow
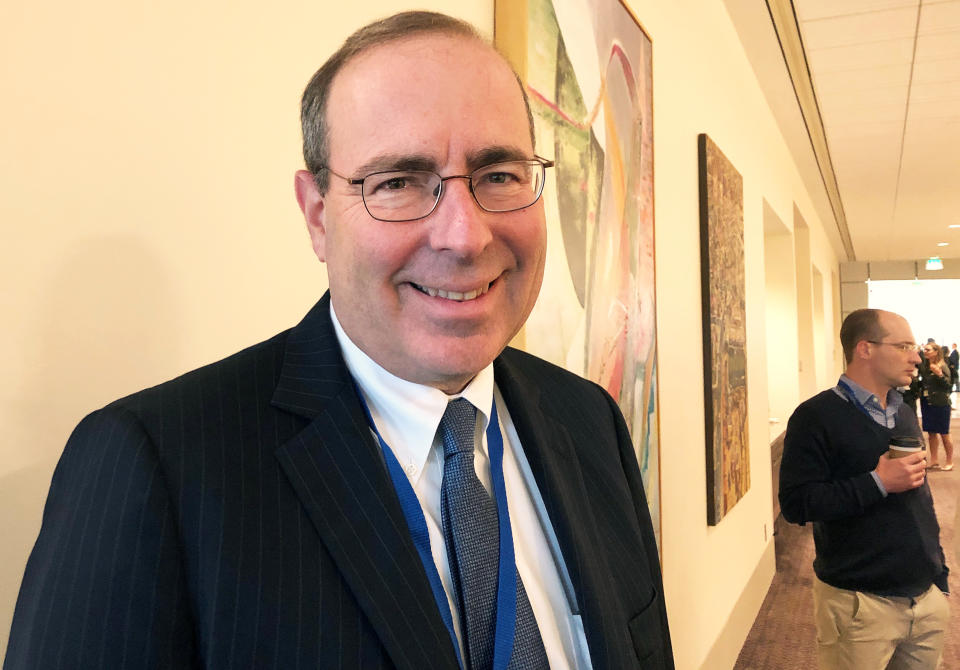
(477, 159)
(495, 154)
(392, 162)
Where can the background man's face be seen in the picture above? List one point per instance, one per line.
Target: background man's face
(894, 367)
(445, 103)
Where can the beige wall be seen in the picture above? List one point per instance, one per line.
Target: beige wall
(703, 83)
(780, 309)
(149, 225)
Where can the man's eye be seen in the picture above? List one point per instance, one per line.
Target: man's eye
(501, 178)
(391, 184)
(394, 182)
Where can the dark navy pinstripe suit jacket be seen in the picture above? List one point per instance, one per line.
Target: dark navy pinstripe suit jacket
(240, 516)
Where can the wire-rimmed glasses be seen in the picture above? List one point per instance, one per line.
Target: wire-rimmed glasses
(408, 195)
(902, 347)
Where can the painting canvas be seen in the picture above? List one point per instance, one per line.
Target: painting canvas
(586, 66)
(724, 330)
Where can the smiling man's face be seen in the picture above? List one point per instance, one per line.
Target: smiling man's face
(437, 299)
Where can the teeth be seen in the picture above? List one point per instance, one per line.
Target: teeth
(453, 295)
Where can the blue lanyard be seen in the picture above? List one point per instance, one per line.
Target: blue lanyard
(852, 397)
(506, 614)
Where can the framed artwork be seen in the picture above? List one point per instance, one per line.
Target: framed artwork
(724, 330)
(586, 67)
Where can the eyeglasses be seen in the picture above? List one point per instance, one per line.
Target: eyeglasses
(902, 347)
(408, 195)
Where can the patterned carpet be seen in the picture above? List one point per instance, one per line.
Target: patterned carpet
(783, 636)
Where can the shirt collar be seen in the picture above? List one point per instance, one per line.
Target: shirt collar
(408, 414)
(863, 396)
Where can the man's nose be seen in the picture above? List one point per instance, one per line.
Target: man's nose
(459, 224)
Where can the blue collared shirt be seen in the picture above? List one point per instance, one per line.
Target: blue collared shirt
(885, 416)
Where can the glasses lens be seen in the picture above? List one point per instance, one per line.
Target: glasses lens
(400, 196)
(504, 187)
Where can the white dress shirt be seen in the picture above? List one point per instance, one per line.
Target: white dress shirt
(407, 416)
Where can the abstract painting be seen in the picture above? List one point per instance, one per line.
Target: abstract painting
(586, 66)
(724, 330)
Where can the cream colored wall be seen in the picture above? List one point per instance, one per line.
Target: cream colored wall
(825, 261)
(780, 309)
(703, 82)
(150, 227)
(149, 221)
(819, 314)
(804, 269)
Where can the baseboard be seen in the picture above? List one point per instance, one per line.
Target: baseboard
(725, 650)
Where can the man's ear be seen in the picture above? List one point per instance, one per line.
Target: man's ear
(862, 350)
(311, 204)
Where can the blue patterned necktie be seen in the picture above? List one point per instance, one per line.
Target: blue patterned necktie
(471, 534)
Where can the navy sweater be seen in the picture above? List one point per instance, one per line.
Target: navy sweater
(864, 541)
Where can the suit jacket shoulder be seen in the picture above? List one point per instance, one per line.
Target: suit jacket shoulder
(248, 377)
(202, 523)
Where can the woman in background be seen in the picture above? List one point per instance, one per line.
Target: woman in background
(936, 383)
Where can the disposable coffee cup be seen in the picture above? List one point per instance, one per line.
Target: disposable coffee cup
(904, 446)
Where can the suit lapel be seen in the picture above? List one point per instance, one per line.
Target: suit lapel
(553, 461)
(337, 470)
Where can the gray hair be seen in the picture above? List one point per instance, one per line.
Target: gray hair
(313, 105)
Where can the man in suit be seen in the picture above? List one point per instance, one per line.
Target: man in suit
(880, 573)
(320, 499)
(954, 362)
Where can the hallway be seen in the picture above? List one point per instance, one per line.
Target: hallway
(783, 636)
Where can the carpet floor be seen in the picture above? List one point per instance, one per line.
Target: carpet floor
(783, 636)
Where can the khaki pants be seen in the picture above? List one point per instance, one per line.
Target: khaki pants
(860, 631)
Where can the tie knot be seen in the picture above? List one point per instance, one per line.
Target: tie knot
(457, 427)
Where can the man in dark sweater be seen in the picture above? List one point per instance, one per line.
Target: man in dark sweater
(881, 580)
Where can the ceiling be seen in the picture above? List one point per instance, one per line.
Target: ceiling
(886, 74)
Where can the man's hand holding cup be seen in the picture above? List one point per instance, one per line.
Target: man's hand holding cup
(904, 466)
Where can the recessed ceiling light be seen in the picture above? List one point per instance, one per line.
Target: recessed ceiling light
(954, 225)
(943, 244)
